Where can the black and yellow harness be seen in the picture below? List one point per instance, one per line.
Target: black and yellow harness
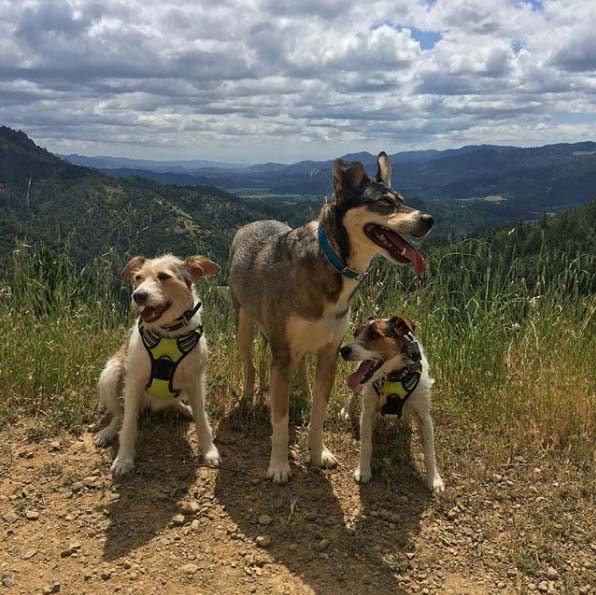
(166, 353)
(395, 388)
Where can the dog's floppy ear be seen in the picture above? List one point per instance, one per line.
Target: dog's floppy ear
(383, 169)
(199, 266)
(348, 179)
(403, 325)
(361, 326)
(134, 264)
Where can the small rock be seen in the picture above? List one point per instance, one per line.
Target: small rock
(452, 514)
(501, 585)
(91, 482)
(263, 541)
(29, 554)
(53, 588)
(189, 568)
(551, 573)
(410, 555)
(293, 547)
(255, 481)
(31, 515)
(311, 515)
(195, 525)
(8, 581)
(178, 520)
(323, 544)
(191, 507)
(77, 486)
(55, 445)
(106, 575)
(265, 519)
(252, 589)
(10, 517)
(543, 586)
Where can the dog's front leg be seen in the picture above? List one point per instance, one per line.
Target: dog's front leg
(279, 467)
(362, 473)
(133, 397)
(326, 367)
(425, 426)
(196, 398)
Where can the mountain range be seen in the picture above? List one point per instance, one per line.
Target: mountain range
(527, 181)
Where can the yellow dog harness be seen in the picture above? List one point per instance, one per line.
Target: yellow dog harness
(166, 354)
(398, 385)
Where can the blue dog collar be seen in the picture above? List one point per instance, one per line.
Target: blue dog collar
(336, 262)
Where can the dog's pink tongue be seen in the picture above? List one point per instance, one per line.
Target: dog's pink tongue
(416, 259)
(149, 314)
(356, 378)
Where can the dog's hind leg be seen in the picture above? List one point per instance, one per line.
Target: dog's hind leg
(425, 426)
(109, 388)
(326, 367)
(245, 334)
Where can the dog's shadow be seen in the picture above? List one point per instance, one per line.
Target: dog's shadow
(166, 468)
(337, 537)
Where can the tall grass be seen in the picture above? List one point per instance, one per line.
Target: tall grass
(512, 348)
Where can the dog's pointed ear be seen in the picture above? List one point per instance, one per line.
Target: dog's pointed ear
(199, 266)
(133, 265)
(403, 325)
(384, 169)
(348, 179)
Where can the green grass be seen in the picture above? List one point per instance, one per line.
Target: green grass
(513, 361)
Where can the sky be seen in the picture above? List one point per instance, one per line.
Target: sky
(282, 80)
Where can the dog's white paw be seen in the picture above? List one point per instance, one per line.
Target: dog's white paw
(325, 459)
(105, 437)
(362, 475)
(121, 467)
(279, 472)
(212, 457)
(436, 485)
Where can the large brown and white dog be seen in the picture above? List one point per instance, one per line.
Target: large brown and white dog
(296, 286)
(164, 357)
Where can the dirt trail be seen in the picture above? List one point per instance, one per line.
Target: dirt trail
(176, 528)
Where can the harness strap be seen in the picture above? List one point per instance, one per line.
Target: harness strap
(396, 388)
(166, 354)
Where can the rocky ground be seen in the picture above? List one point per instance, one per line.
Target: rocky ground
(503, 525)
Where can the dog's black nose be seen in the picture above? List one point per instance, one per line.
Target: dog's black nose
(140, 297)
(345, 351)
(427, 220)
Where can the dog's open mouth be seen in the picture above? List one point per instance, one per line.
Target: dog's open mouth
(153, 313)
(364, 372)
(398, 248)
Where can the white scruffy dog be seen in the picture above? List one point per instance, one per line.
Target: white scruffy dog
(142, 373)
(393, 378)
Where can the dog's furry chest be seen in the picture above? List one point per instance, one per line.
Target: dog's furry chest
(308, 336)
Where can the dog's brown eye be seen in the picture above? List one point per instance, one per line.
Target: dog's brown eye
(138, 278)
(163, 276)
(373, 334)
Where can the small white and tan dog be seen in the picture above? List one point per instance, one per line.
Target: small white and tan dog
(164, 357)
(392, 379)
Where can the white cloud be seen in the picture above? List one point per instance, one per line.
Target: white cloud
(263, 79)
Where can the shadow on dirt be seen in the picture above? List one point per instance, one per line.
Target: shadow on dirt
(335, 536)
(166, 467)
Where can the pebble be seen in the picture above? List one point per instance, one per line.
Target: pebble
(55, 445)
(323, 544)
(29, 554)
(10, 517)
(106, 575)
(189, 568)
(191, 508)
(8, 581)
(53, 588)
(265, 519)
(543, 587)
(31, 515)
(263, 541)
(551, 573)
(70, 550)
(178, 520)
